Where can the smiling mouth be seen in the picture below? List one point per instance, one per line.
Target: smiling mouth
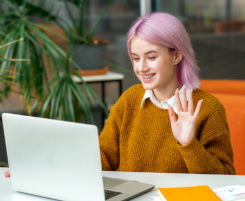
(149, 76)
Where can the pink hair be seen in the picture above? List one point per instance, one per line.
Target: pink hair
(166, 30)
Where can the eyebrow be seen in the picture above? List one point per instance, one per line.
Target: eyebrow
(152, 51)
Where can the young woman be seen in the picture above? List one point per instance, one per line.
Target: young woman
(165, 124)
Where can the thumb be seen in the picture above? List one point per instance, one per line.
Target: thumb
(171, 115)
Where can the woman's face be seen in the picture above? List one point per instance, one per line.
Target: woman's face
(154, 65)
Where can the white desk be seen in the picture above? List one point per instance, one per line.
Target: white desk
(158, 179)
(109, 76)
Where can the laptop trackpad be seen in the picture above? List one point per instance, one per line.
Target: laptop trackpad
(128, 189)
(131, 187)
(111, 182)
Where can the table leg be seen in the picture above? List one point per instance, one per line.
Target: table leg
(103, 100)
(120, 88)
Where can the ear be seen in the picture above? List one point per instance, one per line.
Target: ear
(178, 56)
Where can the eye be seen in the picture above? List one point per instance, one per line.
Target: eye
(152, 58)
(136, 59)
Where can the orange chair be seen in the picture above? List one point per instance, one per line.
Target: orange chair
(236, 87)
(231, 93)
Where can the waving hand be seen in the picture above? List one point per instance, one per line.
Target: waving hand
(183, 128)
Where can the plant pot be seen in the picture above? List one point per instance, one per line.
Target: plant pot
(90, 58)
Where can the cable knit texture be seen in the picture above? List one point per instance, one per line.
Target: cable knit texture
(140, 139)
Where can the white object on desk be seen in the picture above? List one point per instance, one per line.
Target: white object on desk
(231, 193)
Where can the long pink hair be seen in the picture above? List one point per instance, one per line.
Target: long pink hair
(166, 30)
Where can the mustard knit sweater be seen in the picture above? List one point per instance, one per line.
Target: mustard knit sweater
(141, 139)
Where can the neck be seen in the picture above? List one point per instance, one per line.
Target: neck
(165, 93)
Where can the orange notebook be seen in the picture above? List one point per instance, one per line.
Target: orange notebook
(193, 193)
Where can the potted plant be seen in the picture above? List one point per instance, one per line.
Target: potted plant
(59, 97)
(86, 50)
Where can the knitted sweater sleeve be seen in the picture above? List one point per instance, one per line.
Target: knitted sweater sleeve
(109, 137)
(210, 151)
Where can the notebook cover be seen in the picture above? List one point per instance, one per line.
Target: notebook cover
(200, 193)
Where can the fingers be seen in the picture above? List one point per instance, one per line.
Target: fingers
(183, 100)
(190, 102)
(182, 106)
(171, 115)
(187, 106)
(177, 101)
(198, 108)
(7, 173)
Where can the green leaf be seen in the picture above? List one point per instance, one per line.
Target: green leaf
(69, 103)
(52, 31)
(34, 106)
(85, 105)
(68, 10)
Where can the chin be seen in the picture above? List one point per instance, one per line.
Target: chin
(148, 87)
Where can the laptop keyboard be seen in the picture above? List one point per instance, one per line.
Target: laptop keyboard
(110, 194)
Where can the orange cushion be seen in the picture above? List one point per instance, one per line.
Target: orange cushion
(224, 86)
(235, 112)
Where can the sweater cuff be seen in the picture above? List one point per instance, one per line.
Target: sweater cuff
(198, 160)
(191, 148)
(194, 152)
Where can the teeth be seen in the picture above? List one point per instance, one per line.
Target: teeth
(148, 76)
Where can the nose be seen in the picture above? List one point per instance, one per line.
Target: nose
(143, 66)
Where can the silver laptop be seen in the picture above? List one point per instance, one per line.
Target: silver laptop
(60, 160)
